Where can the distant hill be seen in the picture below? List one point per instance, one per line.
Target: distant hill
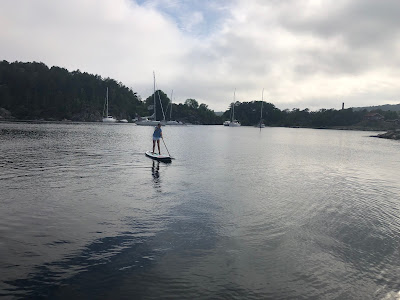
(385, 107)
(219, 113)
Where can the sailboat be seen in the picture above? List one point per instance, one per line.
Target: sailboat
(107, 118)
(234, 123)
(172, 122)
(226, 123)
(261, 124)
(145, 121)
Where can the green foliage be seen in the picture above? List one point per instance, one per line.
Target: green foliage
(322, 118)
(192, 103)
(192, 112)
(388, 114)
(34, 91)
(157, 98)
(248, 113)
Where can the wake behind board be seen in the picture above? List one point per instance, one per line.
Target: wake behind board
(157, 156)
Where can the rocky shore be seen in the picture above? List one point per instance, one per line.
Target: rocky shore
(391, 134)
(86, 115)
(5, 114)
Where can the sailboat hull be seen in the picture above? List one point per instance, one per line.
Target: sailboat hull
(149, 123)
(109, 120)
(174, 123)
(234, 124)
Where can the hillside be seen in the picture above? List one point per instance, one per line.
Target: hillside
(385, 107)
(33, 91)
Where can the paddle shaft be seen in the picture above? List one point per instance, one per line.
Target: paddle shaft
(166, 146)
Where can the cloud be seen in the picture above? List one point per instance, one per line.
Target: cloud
(305, 53)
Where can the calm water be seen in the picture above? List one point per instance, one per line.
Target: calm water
(239, 214)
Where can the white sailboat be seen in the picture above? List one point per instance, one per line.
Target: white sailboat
(172, 122)
(226, 123)
(234, 123)
(107, 118)
(145, 121)
(261, 124)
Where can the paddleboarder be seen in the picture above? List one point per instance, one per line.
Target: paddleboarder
(157, 135)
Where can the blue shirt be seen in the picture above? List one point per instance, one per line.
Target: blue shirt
(157, 132)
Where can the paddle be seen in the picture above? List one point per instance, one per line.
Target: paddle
(166, 147)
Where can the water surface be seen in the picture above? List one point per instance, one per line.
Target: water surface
(240, 213)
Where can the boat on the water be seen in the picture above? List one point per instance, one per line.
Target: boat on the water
(234, 123)
(106, 117)
(146, 121)
(172, 122)
(261, 123)
(151, 120)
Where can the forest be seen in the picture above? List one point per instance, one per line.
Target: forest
(248, 113)
(33, 91)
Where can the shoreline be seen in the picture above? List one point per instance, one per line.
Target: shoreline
(358, 128)
(390, 135)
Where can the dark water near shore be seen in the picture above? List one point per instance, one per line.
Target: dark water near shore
(239, 214)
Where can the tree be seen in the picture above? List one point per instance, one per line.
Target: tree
(192, 103)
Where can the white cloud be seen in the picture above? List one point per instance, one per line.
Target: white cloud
(312, 53)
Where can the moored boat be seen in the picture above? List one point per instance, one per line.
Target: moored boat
(106, 117)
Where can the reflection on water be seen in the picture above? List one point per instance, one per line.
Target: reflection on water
(272, 214)
(155, 171)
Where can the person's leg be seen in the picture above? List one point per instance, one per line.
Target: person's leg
(154, 145)
(158, 144)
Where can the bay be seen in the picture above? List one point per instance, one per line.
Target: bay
(277, 213)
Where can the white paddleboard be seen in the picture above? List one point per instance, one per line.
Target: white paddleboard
(157, 156)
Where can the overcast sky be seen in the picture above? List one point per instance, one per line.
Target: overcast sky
(305, 53)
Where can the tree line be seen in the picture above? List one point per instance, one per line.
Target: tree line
(249, 114)
(33, 91)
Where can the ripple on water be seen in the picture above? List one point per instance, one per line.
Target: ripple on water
(272, 214)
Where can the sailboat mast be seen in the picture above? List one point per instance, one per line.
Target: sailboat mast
(170, 112)
(107, 103)
(262, 102)
(154, 89)
(233, 106)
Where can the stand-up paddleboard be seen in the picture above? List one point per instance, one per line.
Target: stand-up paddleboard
(157, 156)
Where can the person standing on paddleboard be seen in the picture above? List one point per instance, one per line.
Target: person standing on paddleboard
(157, 135)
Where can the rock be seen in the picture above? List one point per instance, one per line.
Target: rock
(87, 116)
(5, 114)
(392, 134)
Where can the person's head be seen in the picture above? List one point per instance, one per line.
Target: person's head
(159, 125)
